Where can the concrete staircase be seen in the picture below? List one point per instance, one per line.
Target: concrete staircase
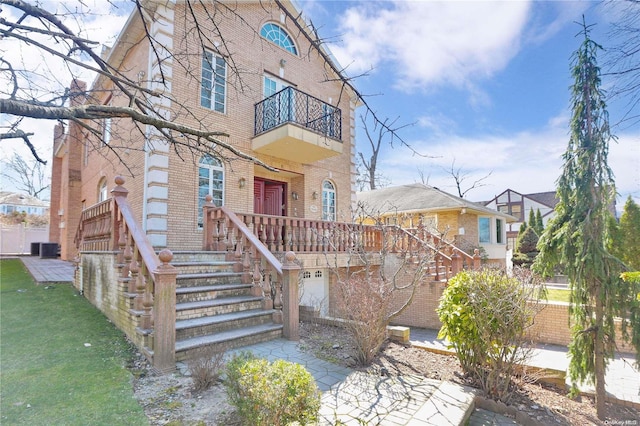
(215, 308)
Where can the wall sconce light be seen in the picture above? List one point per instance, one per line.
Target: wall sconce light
(294, 195)
(314, 195)
(283, 62)
(463, 210)
(242, 182)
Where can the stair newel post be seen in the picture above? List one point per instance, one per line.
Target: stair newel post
(209, 227)
(476, 259)
(164, 314)
(290, 308)
(456, 261)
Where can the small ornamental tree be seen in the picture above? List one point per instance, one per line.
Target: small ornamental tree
(485, 316)
(526, 248)
(532, 220)
(627, 246)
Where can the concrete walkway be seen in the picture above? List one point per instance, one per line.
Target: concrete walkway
(49, 271)
(622, 379)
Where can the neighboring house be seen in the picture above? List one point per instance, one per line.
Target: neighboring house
(520, 205)
(14, 202)
(466, 224)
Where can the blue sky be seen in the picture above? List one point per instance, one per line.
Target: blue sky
(486, 84)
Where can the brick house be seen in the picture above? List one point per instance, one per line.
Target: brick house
(198, 247)
(465, 224)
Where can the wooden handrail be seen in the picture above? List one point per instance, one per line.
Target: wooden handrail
(252, 239)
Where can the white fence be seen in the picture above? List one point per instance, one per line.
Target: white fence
(17, 239)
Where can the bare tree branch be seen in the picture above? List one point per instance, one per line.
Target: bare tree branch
(459, 176)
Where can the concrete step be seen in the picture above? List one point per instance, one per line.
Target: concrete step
(198, 256)
(219, 323)
(208, 278)
(210, 292)
(190, 310)
(200, 267)
(228, 340)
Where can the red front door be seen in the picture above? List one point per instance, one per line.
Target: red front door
(268, 197)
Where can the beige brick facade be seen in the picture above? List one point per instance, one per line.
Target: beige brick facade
(163, 182)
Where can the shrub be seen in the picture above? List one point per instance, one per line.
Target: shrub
(485, 315)
(365, 302)
(277, 393)
(205, 368)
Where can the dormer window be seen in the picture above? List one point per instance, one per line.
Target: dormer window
(278, 36)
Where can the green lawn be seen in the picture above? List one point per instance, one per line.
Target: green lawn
(61, 361)
(557, 295)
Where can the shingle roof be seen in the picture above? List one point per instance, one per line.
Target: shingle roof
(417, 197)
(15, 199)
(546, 198)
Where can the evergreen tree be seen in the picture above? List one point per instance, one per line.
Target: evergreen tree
(539, 226)
(523, 227)
(629, 235)
(577, 236)
(526, 248)
(532, 220)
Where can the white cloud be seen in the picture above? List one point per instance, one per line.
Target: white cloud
(527, 162)
(431, 43)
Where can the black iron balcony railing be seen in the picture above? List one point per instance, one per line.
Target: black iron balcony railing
(293, 106)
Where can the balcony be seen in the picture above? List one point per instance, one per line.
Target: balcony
(295, 126)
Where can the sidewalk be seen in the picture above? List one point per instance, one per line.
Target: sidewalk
(622, 380)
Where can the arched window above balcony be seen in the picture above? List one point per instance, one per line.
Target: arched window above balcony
(278, 36)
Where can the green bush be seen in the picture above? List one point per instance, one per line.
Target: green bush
(485, 315)
(277, 393)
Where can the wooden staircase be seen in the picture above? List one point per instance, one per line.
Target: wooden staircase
(214, 307)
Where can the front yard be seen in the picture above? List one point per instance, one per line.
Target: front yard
(62, 361)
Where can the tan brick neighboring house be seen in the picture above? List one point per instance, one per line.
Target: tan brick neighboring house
(465, 224)
(306, 130)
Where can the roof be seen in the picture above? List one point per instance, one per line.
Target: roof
(419, 197)
(547, 198)
(16, 199)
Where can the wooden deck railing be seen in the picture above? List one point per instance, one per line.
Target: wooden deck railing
(111, 226)
(278, 234)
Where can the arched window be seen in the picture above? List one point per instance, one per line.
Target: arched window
(328, 201)
(103, 193)
(278, 36)
(210, 182)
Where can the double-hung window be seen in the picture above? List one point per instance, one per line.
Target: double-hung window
(213, 87)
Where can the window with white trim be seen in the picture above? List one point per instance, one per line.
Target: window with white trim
(213, 87)
(328, 201)
(278, 36)
(103, 193)
(484, 230)
(210, 182)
